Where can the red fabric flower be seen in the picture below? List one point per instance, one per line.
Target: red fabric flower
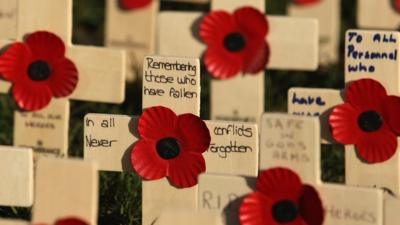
(134, 4)
(305, 2)
(281, 198)
(38, 70)
(69, 221)
(369, 119)
(235, 42)
(170, 146)
(396, 5)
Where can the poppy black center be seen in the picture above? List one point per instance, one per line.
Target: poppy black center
(39, 70)
(285, 211)
(168, 148)
(234, 42)
(370, 121)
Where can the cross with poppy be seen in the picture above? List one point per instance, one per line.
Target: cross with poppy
(288, 189)
(364, 115)
(131, 25)
(16, 186)
(40, 63)
(240, 43)
(169, 134)
(66, 192)
(328, 14)
(378, 14)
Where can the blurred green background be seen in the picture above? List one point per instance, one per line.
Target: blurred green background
(120, 193)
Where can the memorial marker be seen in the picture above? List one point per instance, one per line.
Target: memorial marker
(377, 14)
(242, 98)
(101, 76)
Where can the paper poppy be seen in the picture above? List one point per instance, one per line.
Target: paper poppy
(170, 146)
(235, 42)
(38, 70)
(396, 5)
(305, 2)
(281, 198)
(369, 119)
(134, 4)
(69, 221)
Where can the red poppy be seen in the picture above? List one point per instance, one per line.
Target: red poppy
(170, 146)
(38, 70)
(235, 42)
(281, 198)
(369, 120)
(396, 5)
(134, 4)
(69, 221)
(305, 2)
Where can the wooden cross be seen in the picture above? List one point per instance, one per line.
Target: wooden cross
(293, 142)
(101, 74)
(386, 70)
(16, 186)
(377, 14)
(109, 138)
(293, 44)
(328, 14)
(133, 30)
(65, 188)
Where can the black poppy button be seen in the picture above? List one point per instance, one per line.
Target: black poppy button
(370, 121)
(39, 70)
(234, 42)
(168, 148)
(285, 211)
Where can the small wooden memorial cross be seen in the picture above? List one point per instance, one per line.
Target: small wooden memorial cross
(109, 138)
(101, 76)
(293, 142)
(328, 14)
(133, 30)
(16, 186)
(65, 188)
(242, 98)
(369, 54)
(377, 14)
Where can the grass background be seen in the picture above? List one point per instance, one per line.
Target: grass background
(120, 193)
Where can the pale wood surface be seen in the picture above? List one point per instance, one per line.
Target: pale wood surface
(381, 175)
(132, 30)
(315, 102)
(223, 194)
(287, 53)
(184, 217)
(46, 131)
(16, 186)
(159, 195)
(385, 70)
(391, 212)
(64, 188)
(181, 93)
(377, 14)
(327, 12)
(8, 18)
(109, 139)
(13, 222)
(292, 142)
(345, 205)
(233, 150)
